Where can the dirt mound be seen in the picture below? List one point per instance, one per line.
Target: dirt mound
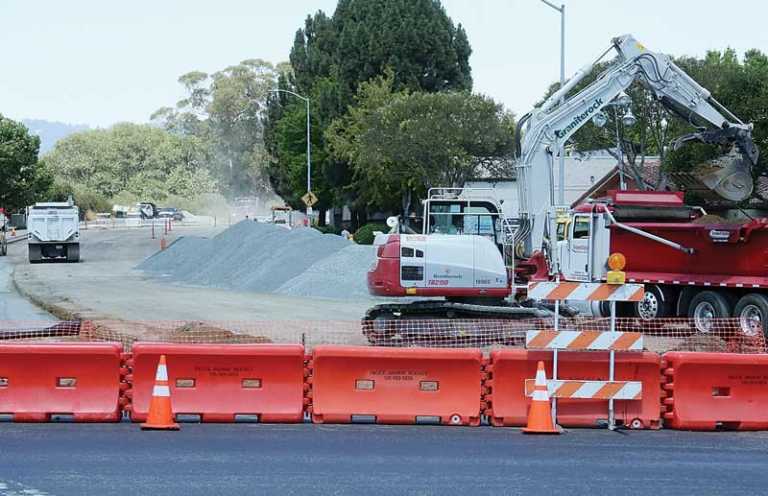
(200, 332)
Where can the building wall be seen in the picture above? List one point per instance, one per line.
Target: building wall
(581, 173)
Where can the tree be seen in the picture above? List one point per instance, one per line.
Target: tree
(225, 111)
(742, 87)
(24, 179)
(401, 144)
(332, 56)
(141, 159)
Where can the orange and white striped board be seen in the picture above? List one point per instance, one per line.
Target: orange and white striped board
(590, 390)
(584, 340)
(585, 291)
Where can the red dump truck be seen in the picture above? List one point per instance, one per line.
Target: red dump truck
(692, 264)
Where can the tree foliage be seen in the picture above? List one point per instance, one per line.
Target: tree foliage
(400, 144)
(741, 86)
(225, 112)
(23, 179)
(146, 161)
(332, 56)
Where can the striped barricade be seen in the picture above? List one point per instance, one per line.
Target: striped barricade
(585, 291)
(584, 340)
(610, 389)
(590, 390)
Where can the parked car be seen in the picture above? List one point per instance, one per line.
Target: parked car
(170, 213)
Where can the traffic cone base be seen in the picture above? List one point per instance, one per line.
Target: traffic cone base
(540, 413)
(160, 415)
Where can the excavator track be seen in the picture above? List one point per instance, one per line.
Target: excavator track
(447, 323)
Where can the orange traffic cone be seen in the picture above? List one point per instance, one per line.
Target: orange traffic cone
(160, 414)
(540, 414)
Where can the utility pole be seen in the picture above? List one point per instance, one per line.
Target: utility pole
(561, 150)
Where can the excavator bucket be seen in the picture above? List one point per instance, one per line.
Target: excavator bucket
(729, 175)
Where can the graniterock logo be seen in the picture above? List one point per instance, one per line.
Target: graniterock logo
(580, 118)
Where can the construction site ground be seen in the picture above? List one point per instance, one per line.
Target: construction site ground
(106, 286)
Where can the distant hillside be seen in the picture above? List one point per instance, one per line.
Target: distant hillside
(51, 132)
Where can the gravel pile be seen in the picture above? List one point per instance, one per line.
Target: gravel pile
(341, 275)
(262, 257)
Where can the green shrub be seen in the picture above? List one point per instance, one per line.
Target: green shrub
(365, 236)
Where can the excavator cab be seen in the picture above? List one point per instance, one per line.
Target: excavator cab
(460, 211)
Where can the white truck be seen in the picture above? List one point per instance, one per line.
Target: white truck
(53, 231)
(288, 217)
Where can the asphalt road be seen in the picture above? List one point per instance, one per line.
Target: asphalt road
(105, 459)
(13, 306)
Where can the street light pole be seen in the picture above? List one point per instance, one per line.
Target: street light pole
(561, 151)
(309, 142)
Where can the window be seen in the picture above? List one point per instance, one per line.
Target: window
(419, 254)
(561, 230)
(412, 273)
(406, 252)
(581, 227)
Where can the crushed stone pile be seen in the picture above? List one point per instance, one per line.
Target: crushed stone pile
(341, 275)
(261, 257)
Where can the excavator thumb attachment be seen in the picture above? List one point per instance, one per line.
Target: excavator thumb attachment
(730, 175)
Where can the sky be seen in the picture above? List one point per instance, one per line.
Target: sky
(99, 62)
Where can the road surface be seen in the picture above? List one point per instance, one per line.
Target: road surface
(13, 306)
(119, 459)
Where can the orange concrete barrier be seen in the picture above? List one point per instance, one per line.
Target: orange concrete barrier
(222, 382)
(709, 391)
(396, 385)
(50, 382)
(510, 368)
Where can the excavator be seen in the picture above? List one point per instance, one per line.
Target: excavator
(471, 261)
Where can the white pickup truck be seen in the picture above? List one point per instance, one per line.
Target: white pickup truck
(53, 231)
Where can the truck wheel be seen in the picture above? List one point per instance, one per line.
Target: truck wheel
(35, 254)
(752, 312)
(706, 307)
(73, 253)
(655, 304)
(4, 248)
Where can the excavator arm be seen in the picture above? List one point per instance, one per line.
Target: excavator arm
(552, 124)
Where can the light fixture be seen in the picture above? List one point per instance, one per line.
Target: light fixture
(623, 100)
(600, 119)
(629, 118)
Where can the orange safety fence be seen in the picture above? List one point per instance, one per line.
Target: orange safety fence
(709, 391)
(221, 383)
(396, 385)
(509, 369)
(42, 382)
(660, 335)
